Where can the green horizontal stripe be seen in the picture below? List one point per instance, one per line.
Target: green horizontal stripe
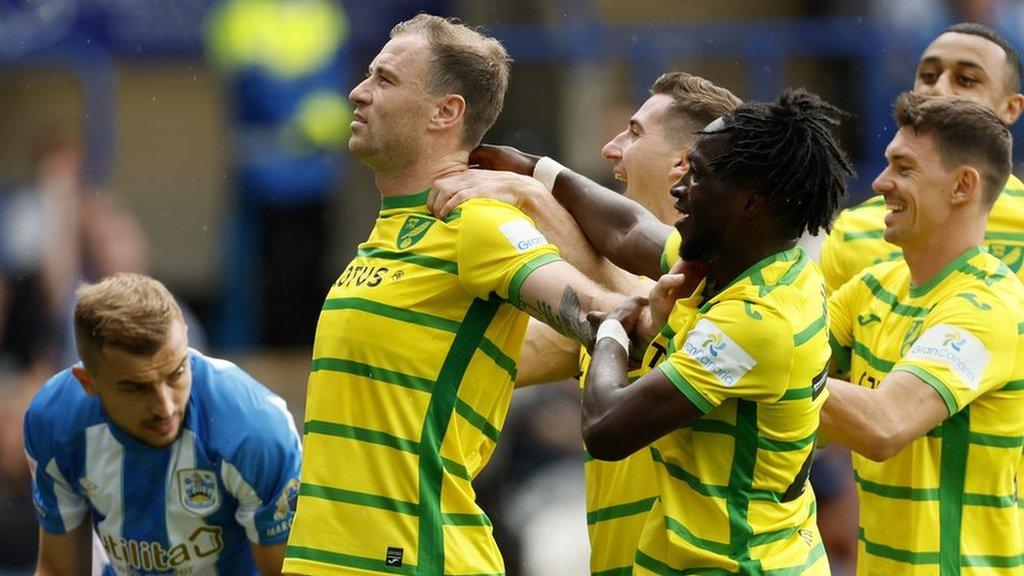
(880, 293)
(392, 312)
(620, 510)
(996, 440)
(990, 501)
(866, 235)
(687, 389)
(456, 469)
(990, 561)
(1020, 328)
(712, 426)
(897, 554)
(476, 419)
(776, 535)
(525, 270)
(872, 360)
(358, 498)
(813, 556)
(806, 334)
(1011, 236)
(620, 571)
(500, 358)
(412, 258)
(1014, 386)
(896, 492)
(783, 445)
(465, 520)
(683, 532)
(798, 393)
(373, 372)
(692, 481)
(361, 434)
(347, 560)
(1013, 192)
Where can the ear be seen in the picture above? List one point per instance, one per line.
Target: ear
(679, 165)
(449, 112)
(968, 186)
(1012, 108)
(83, 378)
(750, 202)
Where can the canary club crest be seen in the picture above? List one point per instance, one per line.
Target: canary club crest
(413, 230)
(198, 491)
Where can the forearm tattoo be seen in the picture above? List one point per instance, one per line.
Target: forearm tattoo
(569, 320)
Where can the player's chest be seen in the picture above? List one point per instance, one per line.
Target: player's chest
(883, 333)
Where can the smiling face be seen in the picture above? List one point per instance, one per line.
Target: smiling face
(969, 66)
(145, 396)
(392, 106)
(704, 201)
(645, 157)
(915, 186)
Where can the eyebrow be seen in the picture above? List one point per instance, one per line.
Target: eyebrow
(127, 382)
(960, 63)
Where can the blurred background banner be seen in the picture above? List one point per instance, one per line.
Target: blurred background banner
(203, 142)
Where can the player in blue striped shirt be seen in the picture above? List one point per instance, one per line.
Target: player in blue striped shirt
(185, 463)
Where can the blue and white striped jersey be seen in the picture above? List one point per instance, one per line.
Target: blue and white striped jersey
(190, 508)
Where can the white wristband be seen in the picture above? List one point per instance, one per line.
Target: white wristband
(613, 329)
(545, 172)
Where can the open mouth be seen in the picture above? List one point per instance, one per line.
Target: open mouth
(619, 175)
(894, 206)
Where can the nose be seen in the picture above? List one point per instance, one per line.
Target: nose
(942, 86)
(163, 402)
(360, 95)
(613, 149)
(882, 183)
(677, 190)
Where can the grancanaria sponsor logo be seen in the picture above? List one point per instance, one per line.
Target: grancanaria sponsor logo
(712, 344)
(957, 349)
(712, 348)
(522, 235)
(125, 553)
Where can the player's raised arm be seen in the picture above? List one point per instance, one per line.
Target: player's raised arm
(619, 228)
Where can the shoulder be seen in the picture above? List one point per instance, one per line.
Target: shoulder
(233, 408)
(60, 410)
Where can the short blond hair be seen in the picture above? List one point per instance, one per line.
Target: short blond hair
(131, 312)
(466, 62)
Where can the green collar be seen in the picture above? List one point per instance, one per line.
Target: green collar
(406, 201)
(918, 291)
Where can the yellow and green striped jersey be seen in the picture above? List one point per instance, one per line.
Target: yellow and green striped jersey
(413, 364)
(620, 494)
(947, 503)
(733, 491)
(856, 242)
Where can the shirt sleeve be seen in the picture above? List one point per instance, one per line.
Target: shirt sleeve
(263, 474)
(58, 507)
(739, 349)
(963, 350)
(498, 247)
(670, 253)
(841, 308)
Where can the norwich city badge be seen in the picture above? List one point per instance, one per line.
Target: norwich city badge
(413, 230)
(198, 491)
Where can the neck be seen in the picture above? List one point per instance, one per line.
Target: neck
(420, 174)
(730, 263)
(929, 256)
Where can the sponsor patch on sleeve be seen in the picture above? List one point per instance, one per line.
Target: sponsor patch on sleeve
(720, 355)
(522, 235)
(954, 347)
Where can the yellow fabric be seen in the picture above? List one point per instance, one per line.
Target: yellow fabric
(412, 374)
(620, 494)
(953, 491)
(856, 243)
(734, 496)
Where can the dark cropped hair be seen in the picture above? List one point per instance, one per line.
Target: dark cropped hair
(965, 132)
(1012, 57)
(786, 146)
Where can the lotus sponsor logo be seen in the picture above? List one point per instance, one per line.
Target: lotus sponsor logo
(722, 357)
(958, 349)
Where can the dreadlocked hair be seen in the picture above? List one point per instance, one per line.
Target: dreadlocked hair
(787, 144)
